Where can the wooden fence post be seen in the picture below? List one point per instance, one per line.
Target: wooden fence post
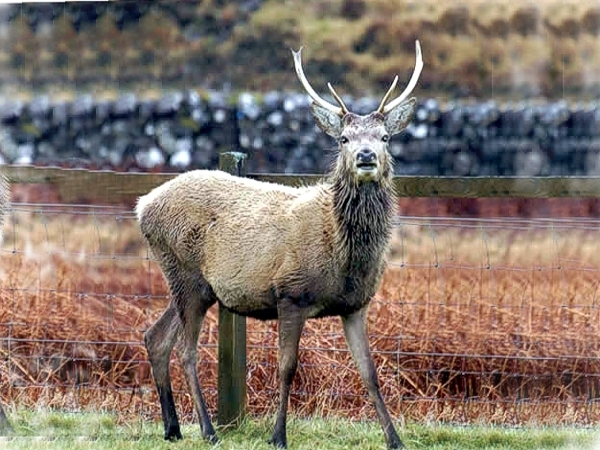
(232, 336)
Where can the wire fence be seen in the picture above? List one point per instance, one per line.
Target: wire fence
(477, 320)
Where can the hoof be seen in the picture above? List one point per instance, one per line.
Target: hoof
(212, 438)
(278, 442)
(173, 434)
(396, 444)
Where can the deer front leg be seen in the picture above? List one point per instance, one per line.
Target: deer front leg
(355, 330)
(291, 322)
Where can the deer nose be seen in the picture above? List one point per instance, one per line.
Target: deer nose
(366, 156)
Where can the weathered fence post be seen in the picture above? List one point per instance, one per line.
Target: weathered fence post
(232, 336)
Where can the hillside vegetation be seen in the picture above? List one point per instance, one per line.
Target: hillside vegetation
(549, 48)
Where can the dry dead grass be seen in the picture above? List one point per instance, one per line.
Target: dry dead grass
(489, 321)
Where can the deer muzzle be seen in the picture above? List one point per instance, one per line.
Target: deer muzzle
(366, 164)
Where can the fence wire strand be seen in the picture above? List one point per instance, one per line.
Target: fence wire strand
(488, 320)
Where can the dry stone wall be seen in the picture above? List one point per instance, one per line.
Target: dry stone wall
(182, 130)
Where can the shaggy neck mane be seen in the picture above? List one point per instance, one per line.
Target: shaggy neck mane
(364, 217)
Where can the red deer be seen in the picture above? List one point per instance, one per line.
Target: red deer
(273, 252)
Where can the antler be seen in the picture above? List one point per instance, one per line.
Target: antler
(383, 108)
(340, 111)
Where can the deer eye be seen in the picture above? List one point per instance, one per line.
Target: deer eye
(385, 137)
(343, 140)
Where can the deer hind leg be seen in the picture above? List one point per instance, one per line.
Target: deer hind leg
(200, 298)
(190, 298)
(159, 341)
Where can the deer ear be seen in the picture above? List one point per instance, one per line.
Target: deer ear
(398, 118)
(329, 122)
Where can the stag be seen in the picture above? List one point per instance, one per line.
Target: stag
(273, 252)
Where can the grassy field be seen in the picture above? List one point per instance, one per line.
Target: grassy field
(57, 431)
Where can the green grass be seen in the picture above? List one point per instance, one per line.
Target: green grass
(43, 430)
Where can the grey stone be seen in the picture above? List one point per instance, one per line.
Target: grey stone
(181, 159)
(125, 105)
(149, 159)
(82, 106)
(10, 111)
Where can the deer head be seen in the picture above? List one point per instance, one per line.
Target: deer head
(363, 140)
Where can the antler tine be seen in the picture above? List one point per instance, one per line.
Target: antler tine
(340, 111)
(387, 95)
(338, 99)
(411, 84)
